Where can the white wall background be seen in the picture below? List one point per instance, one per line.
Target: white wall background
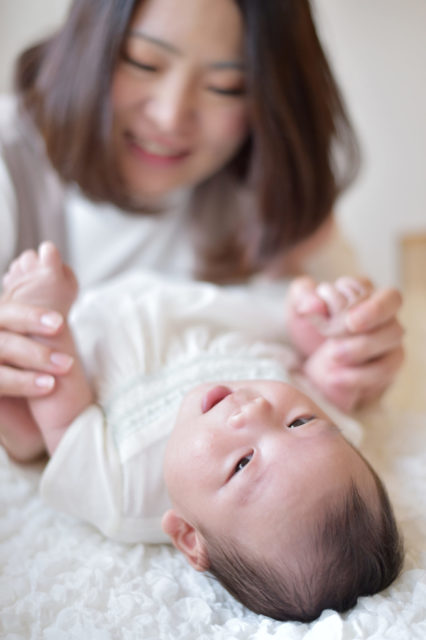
(378, 50)
(21, 23)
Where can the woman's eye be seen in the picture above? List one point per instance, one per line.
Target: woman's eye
(300, 421)
(139, 65)
(243, 463)
(227, 92)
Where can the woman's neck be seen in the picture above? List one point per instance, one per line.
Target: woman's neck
(161, 203)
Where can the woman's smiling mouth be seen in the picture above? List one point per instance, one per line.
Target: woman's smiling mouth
(153, 150)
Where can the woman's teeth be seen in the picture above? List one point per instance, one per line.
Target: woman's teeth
(158, 149)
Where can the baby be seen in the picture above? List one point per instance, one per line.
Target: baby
(252, 480)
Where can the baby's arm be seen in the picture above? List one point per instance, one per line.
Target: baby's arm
(71, 394)
(42, 279)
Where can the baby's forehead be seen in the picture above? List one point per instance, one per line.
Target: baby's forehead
(322, 468)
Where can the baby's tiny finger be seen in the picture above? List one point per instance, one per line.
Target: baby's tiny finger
(352, 288)
(303, 298)
(310, 305)
(6, 280)
(14, 268)
(333, 298)
(49, 255)
(27, 260)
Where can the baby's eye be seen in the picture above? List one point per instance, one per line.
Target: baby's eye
(300, 421)
(243, 462)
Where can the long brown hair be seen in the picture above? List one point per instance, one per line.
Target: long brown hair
(289, 161)
(65, 85)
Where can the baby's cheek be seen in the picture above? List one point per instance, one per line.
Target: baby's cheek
(200, 449)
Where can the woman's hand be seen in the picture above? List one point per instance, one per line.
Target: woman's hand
(27, 367)
(350, 335)
(27, 370)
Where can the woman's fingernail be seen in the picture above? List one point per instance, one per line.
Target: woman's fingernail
(45, 382)
(53, 320)
(62, 360)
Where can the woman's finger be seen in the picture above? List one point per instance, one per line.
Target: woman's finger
(17, 383)
(378, 373)
(22, 318)
(358, 349)
(375, 311)
(351, 386)
(24, 353)
(371, 394)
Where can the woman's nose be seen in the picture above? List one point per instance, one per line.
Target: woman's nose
(171, 106)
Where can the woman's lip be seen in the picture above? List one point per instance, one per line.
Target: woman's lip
(213, 397)
(168, 153)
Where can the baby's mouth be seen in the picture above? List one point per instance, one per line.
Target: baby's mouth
(213, 397)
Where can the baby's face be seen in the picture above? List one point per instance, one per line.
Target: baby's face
(251, 458)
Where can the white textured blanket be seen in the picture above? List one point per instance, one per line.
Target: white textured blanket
(61, 580)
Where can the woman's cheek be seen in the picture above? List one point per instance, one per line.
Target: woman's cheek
(123, 92)
(229, 131)
(238, 125)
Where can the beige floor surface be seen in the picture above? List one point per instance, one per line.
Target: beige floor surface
(409, 390)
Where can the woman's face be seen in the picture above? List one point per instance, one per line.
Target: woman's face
(178, 95)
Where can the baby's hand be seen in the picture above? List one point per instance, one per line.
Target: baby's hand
(351, 336)
(316, 312)
(41, 279)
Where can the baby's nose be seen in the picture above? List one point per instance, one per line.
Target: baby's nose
(249, 413)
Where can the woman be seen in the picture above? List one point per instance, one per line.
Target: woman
(195, 137)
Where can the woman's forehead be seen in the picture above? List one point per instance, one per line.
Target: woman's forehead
(189, 23)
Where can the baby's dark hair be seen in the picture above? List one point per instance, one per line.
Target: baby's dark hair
(354, 552)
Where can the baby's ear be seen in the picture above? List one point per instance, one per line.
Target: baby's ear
(187, 539)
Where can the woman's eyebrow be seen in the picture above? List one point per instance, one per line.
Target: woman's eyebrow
(221, 65)
(156, 41)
